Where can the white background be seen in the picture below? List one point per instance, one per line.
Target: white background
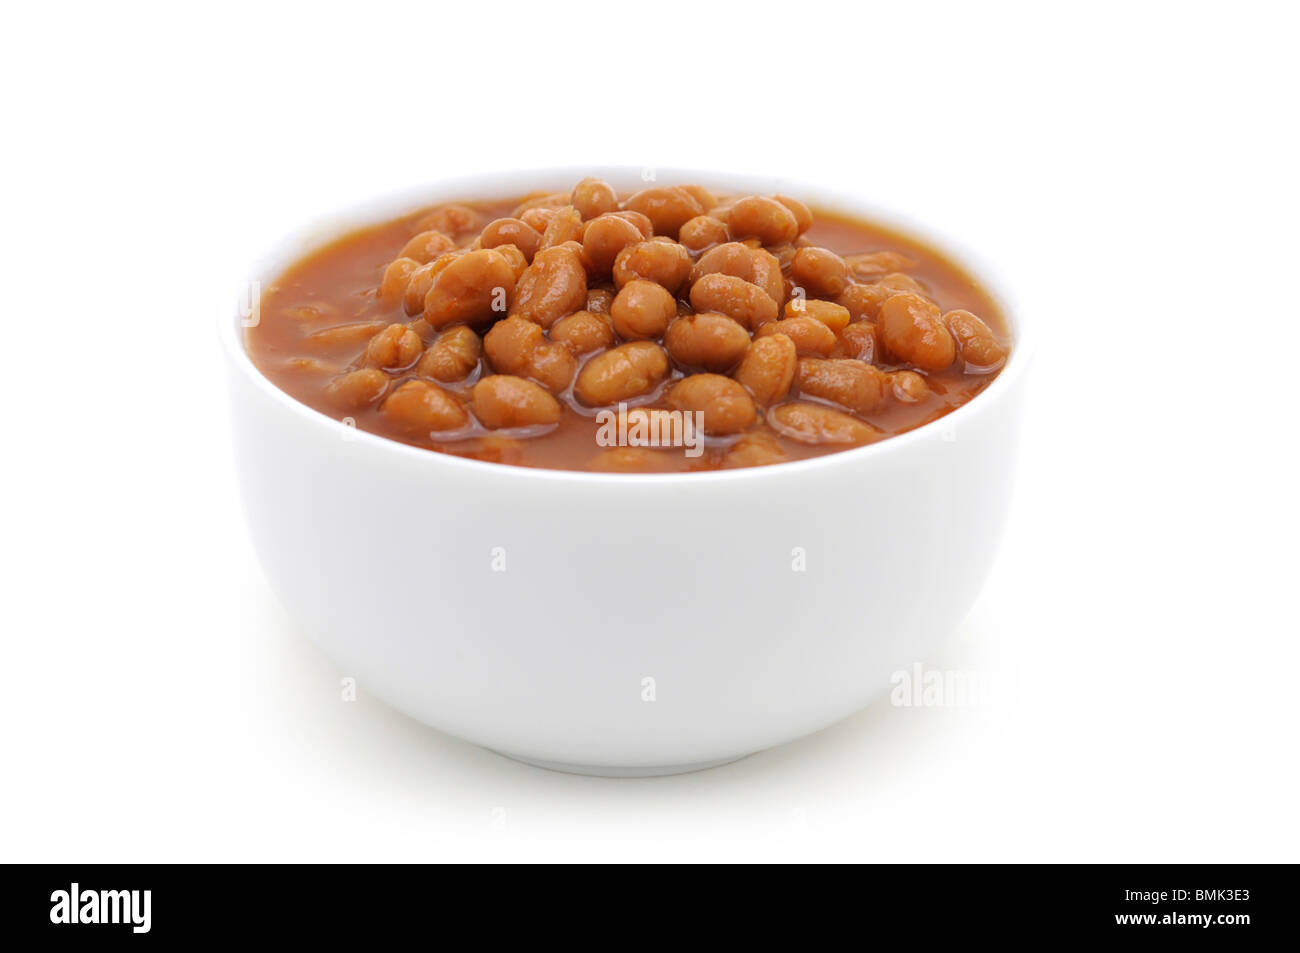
(1130, 168)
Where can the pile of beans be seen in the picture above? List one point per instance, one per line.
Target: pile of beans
(669, 298)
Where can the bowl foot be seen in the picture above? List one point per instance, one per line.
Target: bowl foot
(609, 771)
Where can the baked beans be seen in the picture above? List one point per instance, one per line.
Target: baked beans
(508, 330)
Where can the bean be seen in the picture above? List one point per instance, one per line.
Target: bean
(668, 208)
(980, 351)
(604, 237)
(803, 215)
(356, 389)
(703, 231)
(592, 198)
(471, 289)
(768, 368)
(542, 200)
(583, 332)
(726, 406)
(502, 400)
(553, 366)
(454, 220)
(496, 448)
(663, 262)
(809, 335)
(642, 222)
(344, 335)
(767, 275)
(756, 449)
(784, 255)
(860, 341)
(729, 258)
(310, 366)
(763, 218)
(393, 348)
(396, 277)
(423, 329)
(642, 310)
(427, 246)
(852, 384)
(747, 303)
(554, 285)
(419, 407)
(511, 231)
(706, 340)
(537, 218)
(876, 264)
(909, 387)
(912, 330)
(864, 301)
(702, 195)
(820, 271)
(565, 226)
(599, 300)
(453, 356)
(518, 346)
(815, 424)
(631, 460)
(621, 373)
(834, 316)
(421, 280)
(516, 258)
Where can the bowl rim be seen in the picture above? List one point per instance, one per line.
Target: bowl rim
(510, 183)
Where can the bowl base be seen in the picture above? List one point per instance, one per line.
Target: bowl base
(610, 771)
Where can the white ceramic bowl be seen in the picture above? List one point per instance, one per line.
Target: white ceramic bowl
(643, 624)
